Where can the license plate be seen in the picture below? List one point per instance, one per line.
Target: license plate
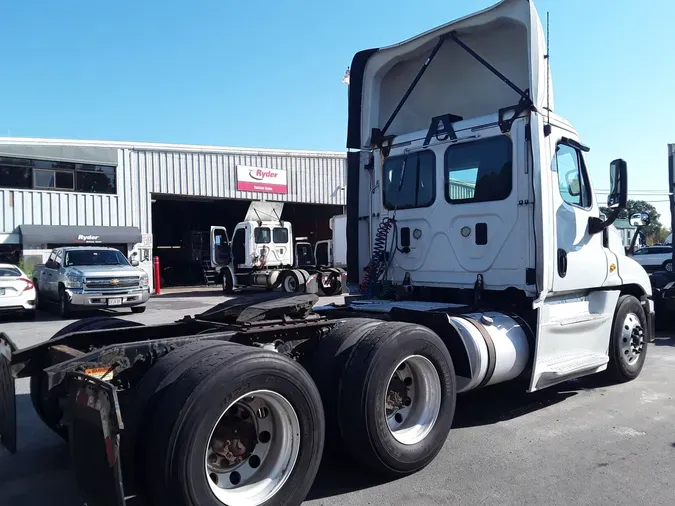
(115, 302)
(2, 291)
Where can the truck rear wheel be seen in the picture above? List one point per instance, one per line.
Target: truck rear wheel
(628, 343)
(326, 365)
(240, 426)
(397, 398)
(46, 404)
(291, 282)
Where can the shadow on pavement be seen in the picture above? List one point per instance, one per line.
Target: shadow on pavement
(340, 475)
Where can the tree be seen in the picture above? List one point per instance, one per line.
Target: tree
(654, 231)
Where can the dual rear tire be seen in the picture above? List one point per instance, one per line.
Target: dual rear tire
(389, 393)
(234, 425)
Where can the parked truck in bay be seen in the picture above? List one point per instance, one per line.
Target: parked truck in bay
(87, 278)
(469, 202)
(262, 253)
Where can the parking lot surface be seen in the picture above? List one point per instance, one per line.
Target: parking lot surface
(579, 443)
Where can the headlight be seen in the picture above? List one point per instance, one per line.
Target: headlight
(144, 280)
(74, 281)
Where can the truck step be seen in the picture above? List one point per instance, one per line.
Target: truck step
(570, 363)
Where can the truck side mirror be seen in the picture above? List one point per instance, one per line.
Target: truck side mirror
(617, 199)
(618, 184)
(640, 219)
(135, 262)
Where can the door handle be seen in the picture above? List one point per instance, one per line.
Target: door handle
(562, 263)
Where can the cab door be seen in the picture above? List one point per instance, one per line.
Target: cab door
(581, 260)
(221, 254)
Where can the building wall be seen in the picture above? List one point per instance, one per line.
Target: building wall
(312, 177)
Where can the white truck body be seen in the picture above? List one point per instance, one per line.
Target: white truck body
(485, 205)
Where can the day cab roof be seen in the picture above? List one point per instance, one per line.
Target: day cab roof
(508, 36)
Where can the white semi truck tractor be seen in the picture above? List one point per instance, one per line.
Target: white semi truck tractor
(470, 206)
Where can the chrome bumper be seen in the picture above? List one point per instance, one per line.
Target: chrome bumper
(98, 299)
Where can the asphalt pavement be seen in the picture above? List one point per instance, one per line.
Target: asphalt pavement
(576, 444)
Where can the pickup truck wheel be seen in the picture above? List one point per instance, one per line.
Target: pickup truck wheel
(628, 343)
(64, 303)
(38, 299)
(668, 265)
(397, 398)
(138, 309)
(46, 404)
(240, 426)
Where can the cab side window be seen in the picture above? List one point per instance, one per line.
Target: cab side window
(572, 180)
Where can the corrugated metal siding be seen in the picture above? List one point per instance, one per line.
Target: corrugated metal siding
(56, 208)
(459, 190)
(311, 179)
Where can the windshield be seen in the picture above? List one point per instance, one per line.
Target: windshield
(95, 257)
(9, 272)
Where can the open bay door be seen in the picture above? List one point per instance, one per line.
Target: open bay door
(221, 253)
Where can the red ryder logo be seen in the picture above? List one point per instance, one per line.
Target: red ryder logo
(261, 180)
(262, 174)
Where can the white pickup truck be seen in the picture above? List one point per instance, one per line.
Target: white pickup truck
(90, 278)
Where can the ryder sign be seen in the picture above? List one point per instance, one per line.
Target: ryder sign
(258, 179)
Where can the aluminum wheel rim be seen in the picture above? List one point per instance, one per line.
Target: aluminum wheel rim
(669, 267)
(290, 284)
(248, 471)
(632, 339)
(413, 399)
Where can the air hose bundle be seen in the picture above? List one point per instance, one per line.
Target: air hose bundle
(378, 263)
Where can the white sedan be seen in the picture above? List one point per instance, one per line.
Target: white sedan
(17, 292)
(655, 258)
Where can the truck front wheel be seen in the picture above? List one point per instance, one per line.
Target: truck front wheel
(397, 398)
(628, 343)
(241, 426)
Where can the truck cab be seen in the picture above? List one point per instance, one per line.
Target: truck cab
(472, 190)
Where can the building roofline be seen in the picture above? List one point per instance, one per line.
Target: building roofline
(151, 146)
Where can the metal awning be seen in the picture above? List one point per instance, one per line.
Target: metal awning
(63, 234)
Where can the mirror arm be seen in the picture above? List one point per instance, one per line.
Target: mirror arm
(596, 225)
(631, 248)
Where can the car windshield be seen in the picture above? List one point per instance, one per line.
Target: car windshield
(9, 272)
(94, 257)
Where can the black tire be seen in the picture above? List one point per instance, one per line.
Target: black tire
(668, 265)
(291, 282)
(363, 389)
(46, 404)
(326, 364)
(619, 370)
(189, 408)
(64, 303)
(38, 299)
(138, 309)
(334, 288)
(228, 282)
(146, 395)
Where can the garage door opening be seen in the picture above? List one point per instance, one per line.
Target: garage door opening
(181, 226)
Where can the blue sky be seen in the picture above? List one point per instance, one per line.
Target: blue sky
(267, 74)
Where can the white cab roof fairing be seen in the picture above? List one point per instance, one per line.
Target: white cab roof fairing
(264, 211)
(508, 35)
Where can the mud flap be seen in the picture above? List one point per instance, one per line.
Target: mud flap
(7, 395)
(95, 424)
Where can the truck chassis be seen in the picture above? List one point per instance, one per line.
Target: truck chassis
(232, 406)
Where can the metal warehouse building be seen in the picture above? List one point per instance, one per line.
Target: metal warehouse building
(155, 199)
